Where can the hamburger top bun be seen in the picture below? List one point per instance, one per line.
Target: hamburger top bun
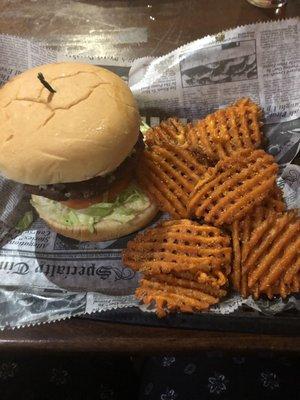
(87, 128)
(103, 230)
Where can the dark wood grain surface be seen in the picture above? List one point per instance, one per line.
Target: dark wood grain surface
(85, 335)
(158, 27)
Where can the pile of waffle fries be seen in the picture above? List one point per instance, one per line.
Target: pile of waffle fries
(229, 227)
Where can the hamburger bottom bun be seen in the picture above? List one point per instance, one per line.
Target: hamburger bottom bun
(104, 230)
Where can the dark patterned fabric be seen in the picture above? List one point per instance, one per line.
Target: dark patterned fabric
(218, 376)
(212, 375)
(67, 377)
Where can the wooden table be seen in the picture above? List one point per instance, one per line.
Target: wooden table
(147, 28)
(78, 335)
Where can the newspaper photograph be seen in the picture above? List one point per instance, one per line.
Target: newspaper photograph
(256, 61)
(47, 277)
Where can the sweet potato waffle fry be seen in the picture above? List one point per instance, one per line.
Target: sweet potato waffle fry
(231, 189)
(212, 284)
(171, 131)
(179, 246)
(266, 253)
(227, 130)
(271, 257)
(241, 230)
(170, 294)
(213, 171)
(168, 174)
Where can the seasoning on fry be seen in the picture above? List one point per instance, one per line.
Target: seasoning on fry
(168, 174)
(175, 246)
(231, 189)
(227, 130)
(171, 131)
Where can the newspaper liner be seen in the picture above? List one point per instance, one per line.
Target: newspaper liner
(45, 277)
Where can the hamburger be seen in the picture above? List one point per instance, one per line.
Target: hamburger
(70, 134)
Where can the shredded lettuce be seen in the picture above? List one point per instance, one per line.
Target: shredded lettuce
(127, 206)
(144, 127)
(25, 221)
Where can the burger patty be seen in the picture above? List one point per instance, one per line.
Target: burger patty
(91, 187)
